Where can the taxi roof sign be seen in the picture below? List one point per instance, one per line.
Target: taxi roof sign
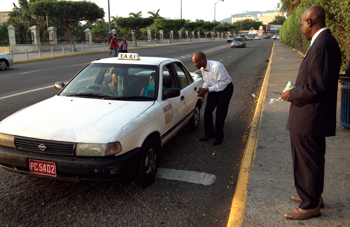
(128, 56)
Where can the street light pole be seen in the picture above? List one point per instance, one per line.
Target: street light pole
(109, 18)
(19, 34)
(215, 15)
(242, 18)
(180, 9)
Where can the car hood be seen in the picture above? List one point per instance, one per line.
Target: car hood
(72, 119)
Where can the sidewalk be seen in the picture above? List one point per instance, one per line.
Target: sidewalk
(271, 178)
(45, 55)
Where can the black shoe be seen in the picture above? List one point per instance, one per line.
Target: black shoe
(205, 138)
(217, 142)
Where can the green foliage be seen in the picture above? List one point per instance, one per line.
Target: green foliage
(100, 31)
(337, 20)
(208, 26)
(168, 25)
(4, 36)
(68, 12)
(134, 23)
(278, 20)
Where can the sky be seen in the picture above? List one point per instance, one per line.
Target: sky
(191, 9)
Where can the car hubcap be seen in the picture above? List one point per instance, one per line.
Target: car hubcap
(150, 162)
(3, 65)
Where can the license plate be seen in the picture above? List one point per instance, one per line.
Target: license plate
(42, 167)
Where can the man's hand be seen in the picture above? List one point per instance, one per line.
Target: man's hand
(202, 92)
(286, 96)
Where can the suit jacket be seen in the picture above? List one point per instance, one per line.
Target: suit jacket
(314, 99)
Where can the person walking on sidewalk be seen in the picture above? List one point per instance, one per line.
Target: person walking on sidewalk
(218, 85)
(115, 46)
(312, 114)
(124, 46)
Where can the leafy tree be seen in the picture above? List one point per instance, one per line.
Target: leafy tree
(289, 6)
(4, 36)
(134, 23)
(168, 25)
(278, 20)
(208, 26)
(136, 15)
(191, 26)
(68, 12)
(222, 28)
(155, 15)
(100, 30)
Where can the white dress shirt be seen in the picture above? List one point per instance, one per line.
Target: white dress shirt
(215, 76)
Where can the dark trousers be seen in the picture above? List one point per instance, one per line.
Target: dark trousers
(219, 100)
(308, 165)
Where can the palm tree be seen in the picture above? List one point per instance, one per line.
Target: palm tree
(136, 15)
(289, 6)
(155, 15)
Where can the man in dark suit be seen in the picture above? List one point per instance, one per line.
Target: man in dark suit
(312, 114)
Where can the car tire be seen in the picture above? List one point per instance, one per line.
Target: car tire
(148, 163)
(194, 121)
(3, 65)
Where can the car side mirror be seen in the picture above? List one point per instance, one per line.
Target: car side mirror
(171, 93)
(59, 86)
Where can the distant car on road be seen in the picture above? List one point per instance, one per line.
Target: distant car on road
(5, 61)
(230, 38)
(266, 36)
(249, 38)
(257, 37)
(238, 42)
(276, 37)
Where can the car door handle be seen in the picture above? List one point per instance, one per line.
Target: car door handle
(182, 98)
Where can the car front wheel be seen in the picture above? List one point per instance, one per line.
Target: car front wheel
(194, 121)
(3, 65)
(148, 164)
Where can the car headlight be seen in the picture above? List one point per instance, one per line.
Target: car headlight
(7, 140)
(98, 149)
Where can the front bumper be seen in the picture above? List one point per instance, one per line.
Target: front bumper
(74, 168)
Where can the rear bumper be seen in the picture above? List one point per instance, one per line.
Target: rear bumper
(73, 168)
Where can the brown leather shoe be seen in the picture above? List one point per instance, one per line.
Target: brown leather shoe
(297, 199)
(300, 214)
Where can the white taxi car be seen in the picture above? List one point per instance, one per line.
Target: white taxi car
(108, 122)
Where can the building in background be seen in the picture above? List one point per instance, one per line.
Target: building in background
(4, 16)
(238, 18)
(267, 18)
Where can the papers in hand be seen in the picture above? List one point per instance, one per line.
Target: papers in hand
(288, 87)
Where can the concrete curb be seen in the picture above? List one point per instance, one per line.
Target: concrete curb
(101, 51)
(237, 212)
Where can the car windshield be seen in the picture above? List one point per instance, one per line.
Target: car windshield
(115, 81)
(239, 39)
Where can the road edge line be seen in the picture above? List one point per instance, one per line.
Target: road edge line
(238, 206)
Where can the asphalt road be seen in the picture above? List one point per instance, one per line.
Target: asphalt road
(30, 201)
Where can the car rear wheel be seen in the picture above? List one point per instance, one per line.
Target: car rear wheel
(148, 164)
(194, 122)
(3, 65)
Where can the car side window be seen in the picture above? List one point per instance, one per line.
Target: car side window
(168, 77)
(184, 78)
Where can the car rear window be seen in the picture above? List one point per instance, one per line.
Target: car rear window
(238, 39)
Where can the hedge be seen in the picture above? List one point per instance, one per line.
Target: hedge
(337, 20)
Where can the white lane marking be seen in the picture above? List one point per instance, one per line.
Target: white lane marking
(186, 176)
(229, 56)
(221, 59)
(34, 71)
(196, 71)
(25, 92)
